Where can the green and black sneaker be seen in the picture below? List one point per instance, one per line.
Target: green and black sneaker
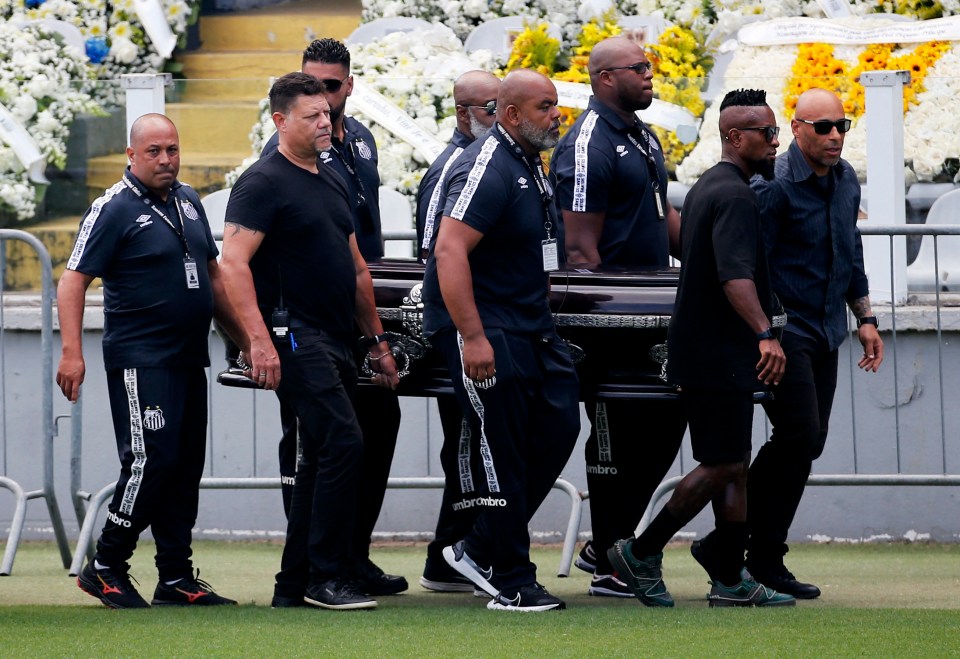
(643, 576)
(747, 593)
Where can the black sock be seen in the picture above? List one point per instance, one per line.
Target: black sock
(656, 536)
(729, 541)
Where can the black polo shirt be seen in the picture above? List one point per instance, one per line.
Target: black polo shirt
(813, 244)
(355, 160)
(305, 253)
(605, 165)
(711, 346)
(430, 192)
(151, 317)
(491, 188)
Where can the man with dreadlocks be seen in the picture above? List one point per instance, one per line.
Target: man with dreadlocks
(724, 286)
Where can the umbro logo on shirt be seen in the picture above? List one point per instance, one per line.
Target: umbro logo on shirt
(621, 150)
(144, 221)
(523, 183)
(324, 156)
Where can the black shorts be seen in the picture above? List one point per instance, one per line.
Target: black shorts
(720, 422)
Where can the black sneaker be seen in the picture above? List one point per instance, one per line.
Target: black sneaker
(281, 602)
(457, 558)
(608, 585)
(372, 580)
(189, 591)
(587, 558)
(530, 598)
(441, 578)
(780, 579)
(111, 586)
(339, 595)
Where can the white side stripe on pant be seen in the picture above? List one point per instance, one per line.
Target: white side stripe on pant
(136, 443)
(463, 458)
(605, 450)
(493, 483)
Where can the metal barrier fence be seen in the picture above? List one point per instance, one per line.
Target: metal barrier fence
(46, 425)
(893, 325)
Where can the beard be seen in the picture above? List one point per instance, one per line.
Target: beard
(764, 168)
(540, 138)
(477, 129)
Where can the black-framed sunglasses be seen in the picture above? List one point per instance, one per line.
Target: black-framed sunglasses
(769, 132)
(332, 84)
(490, 107)
(639, 68)
(824, 126)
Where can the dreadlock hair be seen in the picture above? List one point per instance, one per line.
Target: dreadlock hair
(744, 98)
(326, 51)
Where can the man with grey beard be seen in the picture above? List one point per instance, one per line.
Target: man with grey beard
(486, 312)
(475, 96)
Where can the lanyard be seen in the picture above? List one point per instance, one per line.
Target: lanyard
(653, 172)
(181, 233)
(539, 177)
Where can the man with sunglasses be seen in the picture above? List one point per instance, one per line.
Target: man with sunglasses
(475, 96)
(816, 260)
(353, 156)
(612, 194)
(722, 351)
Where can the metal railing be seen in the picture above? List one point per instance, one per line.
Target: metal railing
(46, 492)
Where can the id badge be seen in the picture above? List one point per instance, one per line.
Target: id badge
(190, 269)
(550, 261)
(656, 197)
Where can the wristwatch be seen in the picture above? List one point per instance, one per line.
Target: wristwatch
(369, 342)
(765, 335)
(868, 320)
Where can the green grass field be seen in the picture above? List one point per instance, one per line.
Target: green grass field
(879, 600)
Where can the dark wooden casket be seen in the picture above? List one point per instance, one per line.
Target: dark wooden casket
(615, 320)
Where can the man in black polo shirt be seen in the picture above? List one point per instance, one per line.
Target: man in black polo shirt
(722, 350)
(810, 214)
(475, 96)
(148, 239)
(353, 156)
(294, 272)
(612, 193)
(486, 311)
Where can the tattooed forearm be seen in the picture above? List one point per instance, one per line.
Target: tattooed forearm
(232, 228)
(861, 307)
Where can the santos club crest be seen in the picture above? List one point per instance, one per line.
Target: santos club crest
(153, 419)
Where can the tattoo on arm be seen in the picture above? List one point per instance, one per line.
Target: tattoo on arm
(861, 307)
(233, 229)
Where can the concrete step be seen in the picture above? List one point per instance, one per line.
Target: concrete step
(214, 126)
(290, 26)
(202, 170)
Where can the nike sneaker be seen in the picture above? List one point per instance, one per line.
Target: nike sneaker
(457, 558)
(110, 586)
(586, 560)
(372, 580)
(608, 585)
(441, 578)
(531, 598)
(747, 593)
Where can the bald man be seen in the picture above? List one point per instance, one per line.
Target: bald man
(475, 96)
(148, 239)
(722, 350)
(486, 311)
(809, 212)
(612, 194)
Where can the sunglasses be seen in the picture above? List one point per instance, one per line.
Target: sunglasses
(490, 107)
(639, 68)
(824, 126)
(769, 132)
(332, 84)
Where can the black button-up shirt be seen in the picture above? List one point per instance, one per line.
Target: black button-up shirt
(813, 244)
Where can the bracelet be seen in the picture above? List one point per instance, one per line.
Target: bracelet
(868, 320)
(765, 335)
(373, 340)
(379, 357)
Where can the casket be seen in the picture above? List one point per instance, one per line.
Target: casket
(615, 321)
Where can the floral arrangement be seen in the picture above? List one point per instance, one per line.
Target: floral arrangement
(415, 71)
(38, 76)
(931, 142)
(115, 41)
